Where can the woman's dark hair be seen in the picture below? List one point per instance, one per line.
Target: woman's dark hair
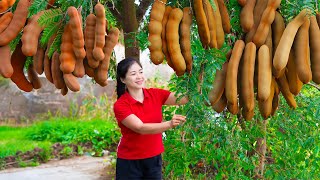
(122, 69)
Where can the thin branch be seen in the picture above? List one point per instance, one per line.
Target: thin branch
(314, 85)
(144, 5)
(116, 13)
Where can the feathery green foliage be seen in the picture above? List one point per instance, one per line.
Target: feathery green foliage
(49, 32)
(13, 44)
(290, 9)
(37, 6)
(55, 46)
(50, 17)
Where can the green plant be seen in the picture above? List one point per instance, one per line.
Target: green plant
(66, 152)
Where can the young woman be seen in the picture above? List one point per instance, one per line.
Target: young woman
(138, 111)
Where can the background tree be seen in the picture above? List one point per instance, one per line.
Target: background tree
(130, 16)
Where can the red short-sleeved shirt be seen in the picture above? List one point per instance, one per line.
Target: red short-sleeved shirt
(133, 145)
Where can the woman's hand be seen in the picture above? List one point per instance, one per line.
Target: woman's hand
(177, 119)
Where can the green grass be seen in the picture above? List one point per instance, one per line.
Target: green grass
(14, 139)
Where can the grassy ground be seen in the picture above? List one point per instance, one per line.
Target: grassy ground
(14, 139)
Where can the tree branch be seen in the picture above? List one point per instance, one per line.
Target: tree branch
(116, 13)
(141, 10)
(314, 85)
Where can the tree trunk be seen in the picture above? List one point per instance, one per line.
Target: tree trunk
(130, 27)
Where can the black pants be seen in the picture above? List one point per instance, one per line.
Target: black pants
(150, 168)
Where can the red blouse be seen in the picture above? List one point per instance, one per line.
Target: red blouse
(140, 146)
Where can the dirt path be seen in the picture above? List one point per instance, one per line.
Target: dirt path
(77, 168)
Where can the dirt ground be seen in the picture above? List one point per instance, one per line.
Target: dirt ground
(77, 168)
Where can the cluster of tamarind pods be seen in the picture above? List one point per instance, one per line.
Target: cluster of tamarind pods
(272, 58)
(82, 52)
(169, 31)
(166, 23)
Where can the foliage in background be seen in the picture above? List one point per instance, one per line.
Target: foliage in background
(14, 139)
(92, 123)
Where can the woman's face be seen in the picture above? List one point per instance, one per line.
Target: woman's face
(134, 78)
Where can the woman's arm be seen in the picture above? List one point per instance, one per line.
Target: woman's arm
(172, 100)
(135, 124)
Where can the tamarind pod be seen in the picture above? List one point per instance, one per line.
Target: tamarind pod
(11, 2)
(294, 82)
(90, 40)
(285, 90)
(247, 114)
(172, 35)
(79, 70)
(33, 77)
(269, 42)
(232, 72)
(270, 46)
(242, 2)
(100, 32)
(301, 53)
(208, 10)
(266, 20)
(64, 90)
(38, 60)
(257, 13)
(265, 107)
(247, 76)
(67, 56)
(47, 67)
(30, 36)
(224, 17)
(275, 100)
(71, 82)
(246, 16)
(281, 55)
(233, 108)
(50, 4)
(57, 74)
(221, 104)
(163, 35)
(80, 18)
(278, 27)
(88, 70)
(155, 30)
(218, 84)
(101, 73)
(47, 60)
(76, 33)
(6, 69)
(4, 6)
(314, 49)
(318, 18)
(239, 84)
(18, 60)
(103, 84)
(185, 36)
(220, 32)
(5, 21)
(202, 22)
(264, 73)
(17, 23)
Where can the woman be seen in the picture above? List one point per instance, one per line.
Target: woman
(139, 114)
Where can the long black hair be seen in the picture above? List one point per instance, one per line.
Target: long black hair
(122, 69)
